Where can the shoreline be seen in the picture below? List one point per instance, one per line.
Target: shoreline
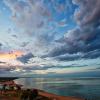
(58, 97)
(10, 95)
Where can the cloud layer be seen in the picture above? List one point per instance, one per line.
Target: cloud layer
(83, 40)
(53, 34)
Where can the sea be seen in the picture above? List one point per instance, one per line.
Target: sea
(88, 88)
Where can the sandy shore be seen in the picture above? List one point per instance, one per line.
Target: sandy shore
(57, 97)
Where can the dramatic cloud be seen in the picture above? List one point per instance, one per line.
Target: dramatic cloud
(49, 36)
(88, 12)
(82, 41)
(25, 58)
(38, 20)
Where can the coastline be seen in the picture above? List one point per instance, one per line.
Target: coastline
(42, 95)
(58, 97)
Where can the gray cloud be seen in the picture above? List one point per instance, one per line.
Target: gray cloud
(92, 54)
(32, 18)
(0, 46)
(29, 15)
(44, 67)
(84, 39)
(25, 58)
(87, 55)
(68, 57)
(24, 44)
(78, 43)
(15, 36)
(89, 13)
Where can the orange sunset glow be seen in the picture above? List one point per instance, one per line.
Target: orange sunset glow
(11, 55)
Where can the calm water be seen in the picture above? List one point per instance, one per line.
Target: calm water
(80, 87)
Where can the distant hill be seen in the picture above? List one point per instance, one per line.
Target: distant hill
(7, 78)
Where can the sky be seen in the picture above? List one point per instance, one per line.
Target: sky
(49, 37)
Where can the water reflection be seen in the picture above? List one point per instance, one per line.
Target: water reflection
(88, 88)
